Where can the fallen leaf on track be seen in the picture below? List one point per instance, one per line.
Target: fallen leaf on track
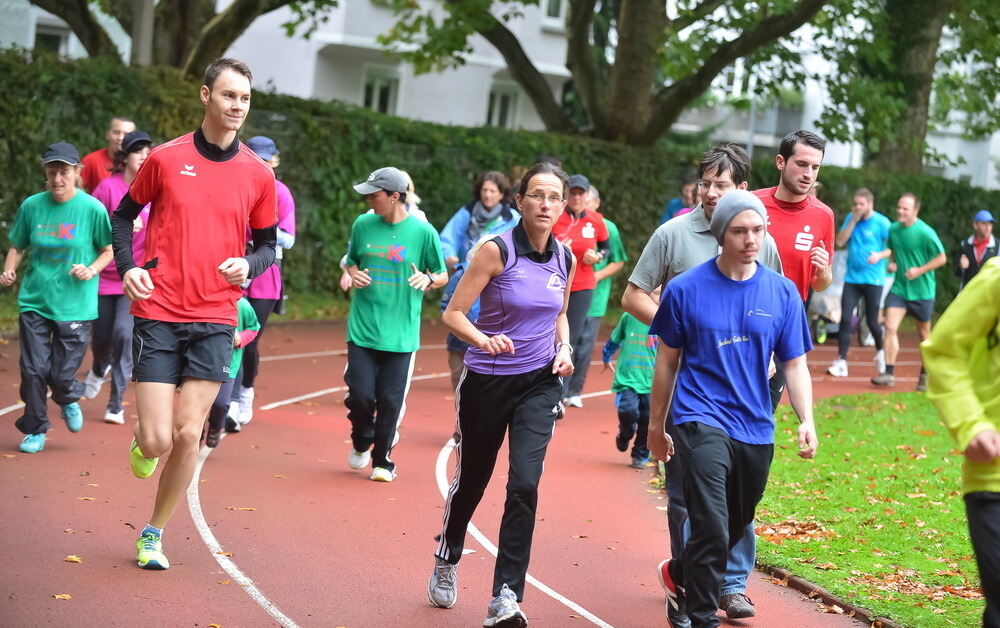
(86, 499)
(9, 456)
(73, 559)
(224, 582)
(63, 596)
(224, 553)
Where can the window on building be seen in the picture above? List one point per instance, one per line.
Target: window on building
(502, 108)
(554, 16)
(52, 39)
(381, 90)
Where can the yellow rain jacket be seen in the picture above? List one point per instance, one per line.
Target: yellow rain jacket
(962, 358)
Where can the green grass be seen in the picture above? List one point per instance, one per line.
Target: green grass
(877, 518)
(8, 310)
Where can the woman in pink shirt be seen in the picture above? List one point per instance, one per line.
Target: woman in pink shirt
(111, 339)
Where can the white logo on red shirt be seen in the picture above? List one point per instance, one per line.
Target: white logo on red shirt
(588, 231)
(189, 171)
(804, 239)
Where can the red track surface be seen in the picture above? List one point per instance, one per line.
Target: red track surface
(324, 544)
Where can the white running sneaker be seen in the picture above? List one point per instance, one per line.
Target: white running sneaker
(381, 474)
(838, 368)
(359, 459)
(576, 401)
(880, 361)
(246, 406)
(92, 383)
(118, 418)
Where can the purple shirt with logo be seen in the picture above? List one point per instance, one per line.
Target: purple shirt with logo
(522, 302)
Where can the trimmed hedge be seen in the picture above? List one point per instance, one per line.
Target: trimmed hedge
(327, 147)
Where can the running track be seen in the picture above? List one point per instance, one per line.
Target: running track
(323, 545)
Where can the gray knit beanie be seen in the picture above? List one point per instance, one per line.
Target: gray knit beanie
(730, 205)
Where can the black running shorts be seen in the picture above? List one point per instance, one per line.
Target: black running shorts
(169, 352)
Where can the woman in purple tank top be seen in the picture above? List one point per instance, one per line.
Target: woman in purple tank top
(512, 383)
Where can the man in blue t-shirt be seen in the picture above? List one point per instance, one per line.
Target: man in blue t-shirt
(865, 232)
(728, 316)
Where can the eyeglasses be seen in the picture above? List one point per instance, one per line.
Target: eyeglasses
(538, 198)
(722, 188)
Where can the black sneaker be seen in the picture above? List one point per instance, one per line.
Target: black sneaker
(232, 425)
(737, 606)
(621, 442)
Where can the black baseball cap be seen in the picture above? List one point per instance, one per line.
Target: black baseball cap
(135, 141)
(61, 151)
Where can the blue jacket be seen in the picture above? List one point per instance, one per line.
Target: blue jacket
(455, 235)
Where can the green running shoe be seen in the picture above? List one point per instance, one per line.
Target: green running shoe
(142, 466)
(151, 552)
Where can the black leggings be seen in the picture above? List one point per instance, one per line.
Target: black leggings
(251, 353)
(854, 292)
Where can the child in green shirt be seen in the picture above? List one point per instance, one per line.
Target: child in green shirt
(247, 327)
(632, 384)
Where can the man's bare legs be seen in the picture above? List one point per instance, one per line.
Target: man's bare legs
(161, 430)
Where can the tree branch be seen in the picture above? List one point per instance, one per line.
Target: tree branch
(81, 21)
(222, 30)
(527, 75)
(671, 101)
(581, 60)
(684, 20)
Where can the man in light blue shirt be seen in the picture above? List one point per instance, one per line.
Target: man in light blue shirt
(865, 232)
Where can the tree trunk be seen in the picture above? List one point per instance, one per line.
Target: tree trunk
(915, 32)
(641, 24)
(178, 26)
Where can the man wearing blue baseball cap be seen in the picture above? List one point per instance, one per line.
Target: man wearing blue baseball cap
(979, 247)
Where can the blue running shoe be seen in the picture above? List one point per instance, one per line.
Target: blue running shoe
(32, 443)
(73, 416)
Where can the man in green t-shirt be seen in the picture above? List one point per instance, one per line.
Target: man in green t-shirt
(611, 263)
(392, 259)
(917, 252)
(67, 236)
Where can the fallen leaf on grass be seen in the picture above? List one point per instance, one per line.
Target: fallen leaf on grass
(793, 530)
(826, 566)
(73, 559)
(63, 596)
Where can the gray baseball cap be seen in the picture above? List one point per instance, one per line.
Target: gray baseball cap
(579, 181)
(389, 179)
(731, 205)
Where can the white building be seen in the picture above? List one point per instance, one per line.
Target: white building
(343, 60)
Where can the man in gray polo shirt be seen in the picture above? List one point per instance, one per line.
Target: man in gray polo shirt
(676, 246)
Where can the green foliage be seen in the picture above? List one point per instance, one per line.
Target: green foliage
(947, 206)
(867, 88)
(876, 518)
(327, 147)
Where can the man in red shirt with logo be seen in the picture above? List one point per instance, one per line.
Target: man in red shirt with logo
(801, 224)
(205, 189)
(585, 233)
(97, 165)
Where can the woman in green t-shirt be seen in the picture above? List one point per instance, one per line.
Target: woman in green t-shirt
(68, 235)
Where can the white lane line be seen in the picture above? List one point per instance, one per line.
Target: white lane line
(227, 563)
(328, 391)
(321, 354)
(16, 406)
(441, 474)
